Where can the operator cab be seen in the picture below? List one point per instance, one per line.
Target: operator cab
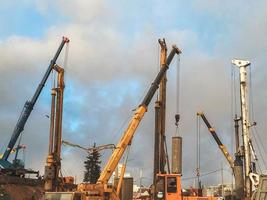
(168, 187)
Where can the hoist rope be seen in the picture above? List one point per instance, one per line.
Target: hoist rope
(127, 154)
(66, 57)
(203, 174)
(118, 131)
(260, 140)
(232, 107)
(258, 143)
(257, 137)
(257, 161)
(252, 114)
(198, 149)
(177, 116)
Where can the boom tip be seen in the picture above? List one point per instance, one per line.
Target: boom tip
(66, 40)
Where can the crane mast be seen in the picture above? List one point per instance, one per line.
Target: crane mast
(162, 104)
(52, 169)
(139, 113)
(28, 107)
(242, 65)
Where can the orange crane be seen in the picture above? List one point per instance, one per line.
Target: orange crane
(101, 190)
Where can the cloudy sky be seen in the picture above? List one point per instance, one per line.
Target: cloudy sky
(113, 58)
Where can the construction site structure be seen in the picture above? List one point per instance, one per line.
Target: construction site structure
(236, 165)
(167, 184)
(90, 149)
(160, 112)
(221, 146)
(5, 164)
(53, 182)
(102, 190)
(242, 64)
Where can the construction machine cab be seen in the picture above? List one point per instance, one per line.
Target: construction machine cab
(168, 187)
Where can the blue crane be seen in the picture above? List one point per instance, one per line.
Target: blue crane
(27, 109)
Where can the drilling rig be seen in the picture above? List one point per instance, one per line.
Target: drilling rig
(53, 162)
(236, 165)
(13, 168)
(252, 179)
(102, 190)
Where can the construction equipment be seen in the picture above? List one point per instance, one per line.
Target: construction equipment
(15, 150)
(101, 190)
(122, 172)
(91, 149)
(101, 148)
(236, 165)
(27, 109)
(160, 148)
(221, 146)
(53, 162)
(242, 65)
(168, 187)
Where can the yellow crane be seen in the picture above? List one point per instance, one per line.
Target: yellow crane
(218, 141)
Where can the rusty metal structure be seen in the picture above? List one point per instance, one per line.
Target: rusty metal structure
(53, 163)
(160, 154)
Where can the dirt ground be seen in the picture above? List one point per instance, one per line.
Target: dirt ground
(22, 192)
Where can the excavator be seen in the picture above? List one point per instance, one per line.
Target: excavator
(17, 167)
(102, 190)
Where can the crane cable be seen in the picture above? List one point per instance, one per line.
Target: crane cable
(198, 150)
(177, 115)
(254, 133)
(233, 114)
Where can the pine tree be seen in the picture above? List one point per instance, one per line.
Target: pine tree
(92, 167)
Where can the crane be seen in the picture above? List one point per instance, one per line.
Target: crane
(101, 190)
(27, 109)
(236, 165)
(221, 146)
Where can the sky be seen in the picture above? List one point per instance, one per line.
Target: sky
(110, 62)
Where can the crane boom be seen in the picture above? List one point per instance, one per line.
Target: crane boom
(218, 141)
(28, 107)
(133, 124)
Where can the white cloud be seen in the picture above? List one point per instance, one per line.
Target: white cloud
(101, 54)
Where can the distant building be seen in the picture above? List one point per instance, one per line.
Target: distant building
(218, 191)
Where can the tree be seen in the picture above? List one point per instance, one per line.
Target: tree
(92, 167)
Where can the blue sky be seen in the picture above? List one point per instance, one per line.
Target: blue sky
(113, 57)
